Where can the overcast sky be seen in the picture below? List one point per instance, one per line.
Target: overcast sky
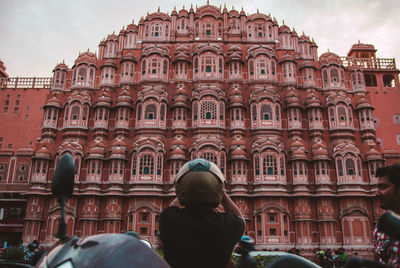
(35, 35)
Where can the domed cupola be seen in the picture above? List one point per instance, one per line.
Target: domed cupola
(312, 100)
(319, 150)
(104, 99)
(298, 149)
(84, 70)
(235, 97)
(124, 98)
(292, 98)
(118, 149)
(97, 150)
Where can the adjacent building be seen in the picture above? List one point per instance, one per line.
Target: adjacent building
(21, 115)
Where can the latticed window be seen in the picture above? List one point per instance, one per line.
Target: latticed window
(196, 65)
(162, 112)
(350, 167)
(282, 165)
(221, 111)
(342, 114)
(159, 160)
(75, 111)
(165, 66)
(208, 64)
(251, 67)
(334, 75)
(208, 110)
(156, 30)
(139, 114)
(350, 114)
(146, 165)
(154, 66)
(44, 167)
(277, 113)
(254, 112)
(210, 157)
(332, 114)
(266, 112)
(134, 164)
(222, 165)
(143, 66)
(257, 165)
(273, 67)
(262, 66)
(325, 76)
(260, 30)
(270, 165)
(85, 112)
(195, 109)
(150, 112)
(339, 167)
(117, 167)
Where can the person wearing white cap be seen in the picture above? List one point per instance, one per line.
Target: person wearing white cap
(194, 234)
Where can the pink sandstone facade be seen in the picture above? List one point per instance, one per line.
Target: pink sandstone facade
(294, 133)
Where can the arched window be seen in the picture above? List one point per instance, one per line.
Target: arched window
(208, 110)
(82, 75)
(350, 167)
(273, 67)
(342, 114)
(134, 159)
(143, 66)
(159, 165)
(277, 113)
(266, 112)
(139, 113)
(165, 66)
(196, 65)
(150, 112)
(146, 165)
(339, 167)
(75, 112)
(220, 65)
(221, 111)
(254, 112)
(162, 112)
(210, 157)
(195, 110)
(251, 67)
(269, 165)
(334, 75)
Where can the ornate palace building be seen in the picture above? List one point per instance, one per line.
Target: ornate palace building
(293, 132)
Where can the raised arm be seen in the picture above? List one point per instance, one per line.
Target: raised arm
(175, 203)
(230, 206)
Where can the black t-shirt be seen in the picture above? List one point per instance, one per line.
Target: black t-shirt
(198, 237)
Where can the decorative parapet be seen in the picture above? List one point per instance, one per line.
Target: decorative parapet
(367, 63)
(25, 82)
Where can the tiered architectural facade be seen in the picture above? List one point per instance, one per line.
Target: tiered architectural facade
(293, 133)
